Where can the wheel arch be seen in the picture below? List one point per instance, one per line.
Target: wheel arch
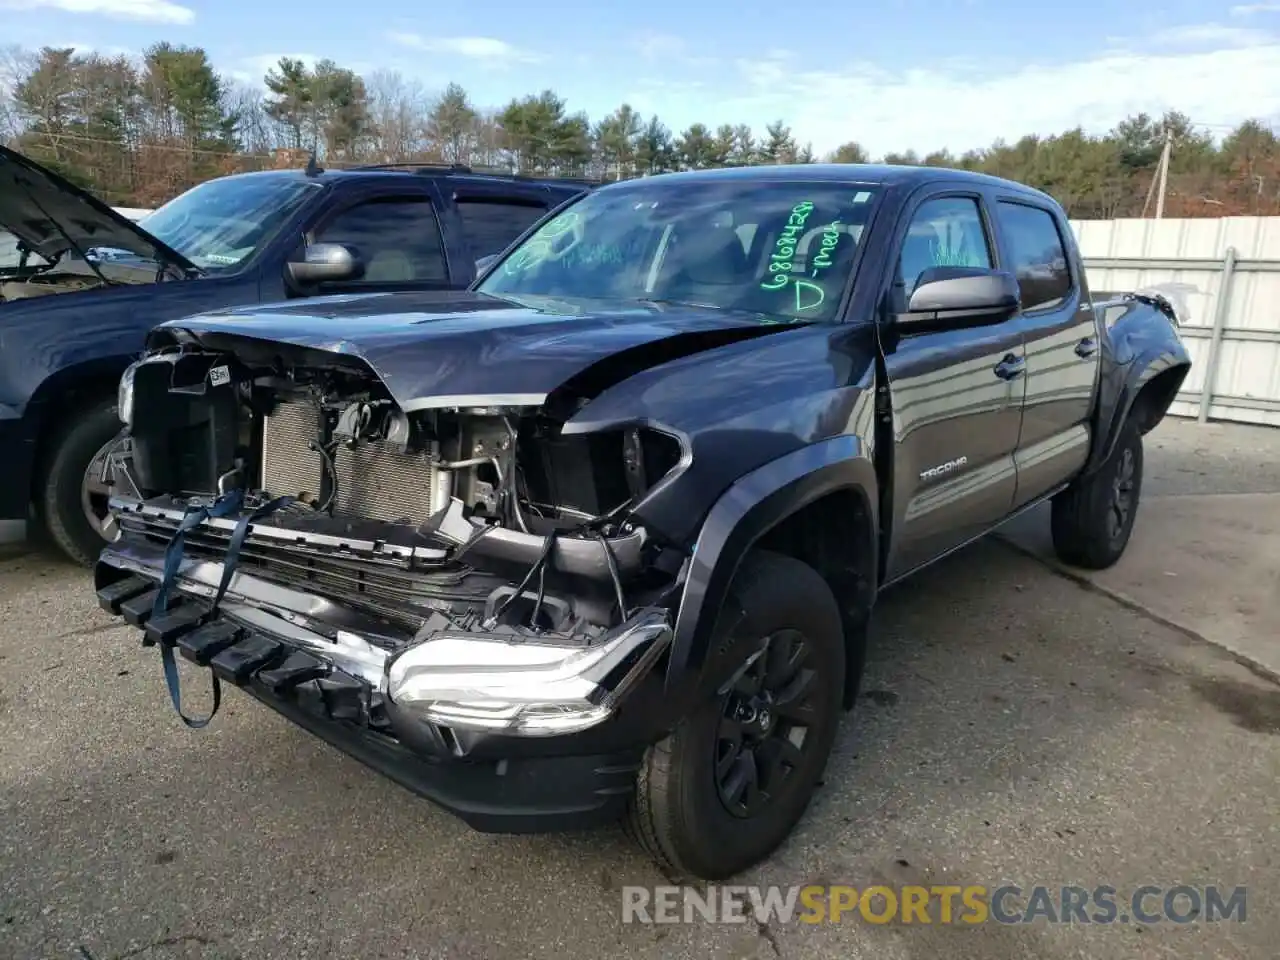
(1156, 395)
(1147, 392)
(817, 504)
(60, 393)
(1144, 357)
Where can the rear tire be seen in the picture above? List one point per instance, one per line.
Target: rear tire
(67, 497)
(724, 789)
(1093, 519)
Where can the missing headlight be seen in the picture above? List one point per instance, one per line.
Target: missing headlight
(594, 474)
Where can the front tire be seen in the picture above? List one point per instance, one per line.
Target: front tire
(728, 785)
(1093, 519)
(72, 494)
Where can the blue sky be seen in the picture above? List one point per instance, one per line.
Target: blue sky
(892, 75)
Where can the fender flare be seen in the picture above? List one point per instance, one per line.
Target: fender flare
(1114, 411)
(752, 506)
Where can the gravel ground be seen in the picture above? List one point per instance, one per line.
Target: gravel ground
(1014, 728)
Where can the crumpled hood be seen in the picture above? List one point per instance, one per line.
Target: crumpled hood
(472, 349)
(42, 210)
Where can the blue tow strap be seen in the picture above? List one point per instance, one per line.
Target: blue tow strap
(225, 505)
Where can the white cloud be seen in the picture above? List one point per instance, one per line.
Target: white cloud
(154, 11)
(656, 96)
(487, 50)
(107, 50)
(1206, 36)
(962, 105)
(1249, 9)
(252, 70)
(655, 46)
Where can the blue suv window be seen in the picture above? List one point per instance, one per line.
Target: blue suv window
(491, 226)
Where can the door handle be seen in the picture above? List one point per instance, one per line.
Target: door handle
(1011, 367)
(1086, 348)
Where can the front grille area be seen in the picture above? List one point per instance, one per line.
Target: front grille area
(395, 593)
(373, 482)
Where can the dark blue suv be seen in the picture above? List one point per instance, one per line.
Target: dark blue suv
(82, 285)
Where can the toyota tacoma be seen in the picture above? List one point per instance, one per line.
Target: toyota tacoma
(600, 537)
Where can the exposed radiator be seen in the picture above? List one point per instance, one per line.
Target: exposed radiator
(373, 482)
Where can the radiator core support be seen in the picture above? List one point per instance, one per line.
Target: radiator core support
(374, 480)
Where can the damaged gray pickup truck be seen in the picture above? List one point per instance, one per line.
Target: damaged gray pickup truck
(600, 537)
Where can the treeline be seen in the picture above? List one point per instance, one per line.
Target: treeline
(139, 131)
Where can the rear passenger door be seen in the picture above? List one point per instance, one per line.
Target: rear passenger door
(956, 395)
(489, 217)
(396, 232)
(1061, 336)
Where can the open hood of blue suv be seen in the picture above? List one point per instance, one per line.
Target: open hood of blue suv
(51, 216)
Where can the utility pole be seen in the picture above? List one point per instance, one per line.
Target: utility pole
(1164, 173)
(1151, 192)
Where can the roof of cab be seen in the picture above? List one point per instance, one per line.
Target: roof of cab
(891, 175)
(322, 175)
(868, 173)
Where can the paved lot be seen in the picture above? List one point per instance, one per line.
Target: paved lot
(1185, 457)
(1206, 563)
(1015, 728)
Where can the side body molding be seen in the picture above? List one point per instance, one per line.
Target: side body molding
(746, 511)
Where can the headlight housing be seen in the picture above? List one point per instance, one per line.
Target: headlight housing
(124, 394)
(531, 689)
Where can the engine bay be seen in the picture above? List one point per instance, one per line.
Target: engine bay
(476, 517)
(70, 275)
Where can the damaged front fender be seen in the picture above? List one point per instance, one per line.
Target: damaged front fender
(738, 409)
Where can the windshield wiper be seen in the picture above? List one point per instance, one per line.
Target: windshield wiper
(680, 303)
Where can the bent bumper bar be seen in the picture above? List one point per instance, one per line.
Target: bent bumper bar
(338, 696)
(395, 544)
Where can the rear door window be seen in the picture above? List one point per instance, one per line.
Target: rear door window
(490, 226)
(1038, 256)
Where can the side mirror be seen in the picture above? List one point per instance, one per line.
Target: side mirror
(947, 297)
(483, 263)
(326, 263)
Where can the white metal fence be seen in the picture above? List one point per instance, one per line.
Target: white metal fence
(1229, 269)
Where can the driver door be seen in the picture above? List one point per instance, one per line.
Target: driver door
(956, 395)
(396, 234)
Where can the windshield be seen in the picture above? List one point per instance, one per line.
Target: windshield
(220, 223)
(774, 248)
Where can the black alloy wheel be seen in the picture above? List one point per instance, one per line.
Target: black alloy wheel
(1122, 489)
(726, 787)
(1092, 520)
(765, 725)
